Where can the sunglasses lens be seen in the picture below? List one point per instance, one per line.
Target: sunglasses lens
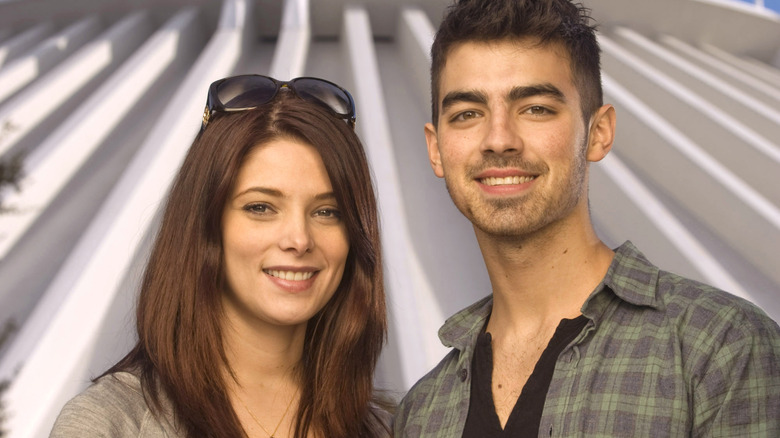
(243, 92)
(324, 93)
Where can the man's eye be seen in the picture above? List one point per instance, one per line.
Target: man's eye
(538, 110)
(466, 115)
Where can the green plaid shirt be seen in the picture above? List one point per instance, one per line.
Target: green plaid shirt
(661, 356)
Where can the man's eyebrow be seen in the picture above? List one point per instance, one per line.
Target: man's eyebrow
(523, 92)
(454, 97)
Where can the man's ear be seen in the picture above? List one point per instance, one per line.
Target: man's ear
(602, 133)
(433, 150)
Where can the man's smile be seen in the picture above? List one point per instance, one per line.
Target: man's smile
(507, 180)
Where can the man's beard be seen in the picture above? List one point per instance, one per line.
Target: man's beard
(520, 216)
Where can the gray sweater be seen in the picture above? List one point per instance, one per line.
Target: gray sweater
(114, 407)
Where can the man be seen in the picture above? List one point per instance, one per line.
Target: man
(576, 339)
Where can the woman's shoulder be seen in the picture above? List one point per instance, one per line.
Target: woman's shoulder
(113, 406)
(381, 419)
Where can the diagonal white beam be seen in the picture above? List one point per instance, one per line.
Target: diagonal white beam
(762, 144)
(415, 37)
(24, 41)
(293, 44)
(27, 109)
(684, 65)
(732, 72)
(21, 71)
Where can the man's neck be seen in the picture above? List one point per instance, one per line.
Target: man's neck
(537, 280)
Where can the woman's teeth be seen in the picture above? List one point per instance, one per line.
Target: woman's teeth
(290, 275)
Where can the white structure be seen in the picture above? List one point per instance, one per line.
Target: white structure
(104, 98)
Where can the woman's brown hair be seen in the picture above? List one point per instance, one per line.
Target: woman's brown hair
(179, 317)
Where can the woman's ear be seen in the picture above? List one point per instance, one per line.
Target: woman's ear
(602, 133)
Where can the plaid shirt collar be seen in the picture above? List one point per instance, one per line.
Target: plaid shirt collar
(630, 277)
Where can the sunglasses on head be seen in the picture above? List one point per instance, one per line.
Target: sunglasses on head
(247, 92)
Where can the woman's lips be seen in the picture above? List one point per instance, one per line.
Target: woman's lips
(292, 279)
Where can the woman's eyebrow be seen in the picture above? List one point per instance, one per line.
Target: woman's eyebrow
(279, 194)
(325, 196)
(264, 190)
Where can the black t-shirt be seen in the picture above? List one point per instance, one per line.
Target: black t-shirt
(482, 421)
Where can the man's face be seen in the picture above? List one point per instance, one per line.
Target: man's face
(510, 143)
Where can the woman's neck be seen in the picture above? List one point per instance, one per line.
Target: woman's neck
(263, 381)
(261, 354)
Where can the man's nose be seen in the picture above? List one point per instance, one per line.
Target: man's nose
(502, 136)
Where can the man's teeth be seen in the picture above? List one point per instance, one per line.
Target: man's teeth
(492, 181)
(290, 275)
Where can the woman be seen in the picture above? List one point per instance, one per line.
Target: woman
(262, 307)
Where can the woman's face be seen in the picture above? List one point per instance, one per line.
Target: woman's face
(285, 244)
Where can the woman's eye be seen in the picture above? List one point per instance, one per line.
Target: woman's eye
(328, 213)
(257, 208)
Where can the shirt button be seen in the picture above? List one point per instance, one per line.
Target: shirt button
(463, 374)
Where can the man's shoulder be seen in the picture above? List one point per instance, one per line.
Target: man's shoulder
(680, 299)
(704, 321)
(695, 305)
(730, 350)
(682, 295)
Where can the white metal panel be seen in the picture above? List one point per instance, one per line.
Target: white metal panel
(415, 37)
(28, 109)
(751, 114)
(24, 41)
(22, 71)
(728, 72)
(294, 36)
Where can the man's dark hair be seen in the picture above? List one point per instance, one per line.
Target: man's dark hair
(547, 21)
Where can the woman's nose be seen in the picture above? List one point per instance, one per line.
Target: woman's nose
(296, 236)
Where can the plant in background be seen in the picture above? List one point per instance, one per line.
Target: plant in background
(10, 175)
(5, 333)
(3, 387)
